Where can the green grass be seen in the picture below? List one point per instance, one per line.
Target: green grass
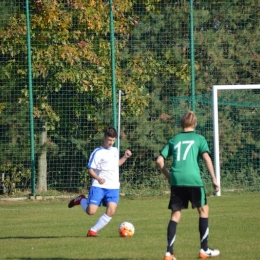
(49, 230)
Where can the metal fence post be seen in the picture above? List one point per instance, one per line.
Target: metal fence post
(112, 47)
(192, 71)
(30, 99)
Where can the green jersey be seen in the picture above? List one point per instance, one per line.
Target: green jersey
(186, 149)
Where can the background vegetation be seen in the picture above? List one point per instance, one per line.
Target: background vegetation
(71, 65)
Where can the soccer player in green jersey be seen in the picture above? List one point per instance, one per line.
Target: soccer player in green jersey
(187, 148)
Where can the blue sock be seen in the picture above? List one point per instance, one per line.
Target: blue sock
(84, 204)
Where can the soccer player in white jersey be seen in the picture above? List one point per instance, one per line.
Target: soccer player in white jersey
(186, 184)
(103, 167)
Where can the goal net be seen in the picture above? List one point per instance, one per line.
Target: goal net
(236, 126)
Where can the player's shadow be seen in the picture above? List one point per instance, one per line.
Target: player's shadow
(47, 237)
(24, 237)
(58, 258)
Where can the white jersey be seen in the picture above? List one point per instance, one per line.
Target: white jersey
(105, 163)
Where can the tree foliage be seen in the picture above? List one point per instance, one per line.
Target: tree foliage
(71, 66)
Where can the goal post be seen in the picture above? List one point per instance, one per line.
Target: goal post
(215, 103)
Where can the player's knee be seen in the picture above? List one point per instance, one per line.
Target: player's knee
(204, 211)
(90, 211)
(111, 212)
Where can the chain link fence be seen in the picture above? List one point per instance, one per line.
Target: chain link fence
(168, 55)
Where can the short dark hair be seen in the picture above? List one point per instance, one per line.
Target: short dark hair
(110, 131)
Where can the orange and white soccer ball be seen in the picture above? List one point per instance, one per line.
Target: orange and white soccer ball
(126, 229)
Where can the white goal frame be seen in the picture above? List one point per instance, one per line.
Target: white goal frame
(215, 89)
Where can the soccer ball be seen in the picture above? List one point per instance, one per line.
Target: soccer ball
(126, 229)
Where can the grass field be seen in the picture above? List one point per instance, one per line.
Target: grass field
(50, 230)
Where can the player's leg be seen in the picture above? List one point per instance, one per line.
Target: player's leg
(76, 201)
(178, 201)
(199, 201)
(90, 205)
(203, 226)
(110, 200)
(104, 219)
(171, 234)
(111, 208)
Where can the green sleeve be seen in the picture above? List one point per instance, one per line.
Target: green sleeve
(166, 151)
(204, 146)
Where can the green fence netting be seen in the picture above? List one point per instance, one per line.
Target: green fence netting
(70, 44)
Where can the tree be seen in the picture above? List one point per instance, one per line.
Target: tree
(71, 66)
(226, 35)
(72, 75)
(14, 148)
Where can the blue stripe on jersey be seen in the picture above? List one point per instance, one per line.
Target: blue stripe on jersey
(93, 155)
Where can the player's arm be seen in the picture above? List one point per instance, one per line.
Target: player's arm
(92, 173)
(127, 155)
(161, 165)
(92, 164)
(210, 168)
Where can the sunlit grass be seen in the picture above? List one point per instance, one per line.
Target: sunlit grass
(50, 230)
